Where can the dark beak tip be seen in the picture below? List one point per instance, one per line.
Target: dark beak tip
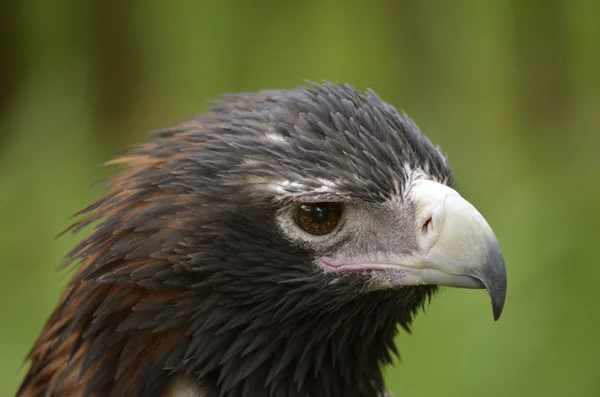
(495, 279)
(498, 307)
(498, 297)
(497, 313)
(496, 289)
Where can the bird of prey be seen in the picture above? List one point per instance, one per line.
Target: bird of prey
(272, 246)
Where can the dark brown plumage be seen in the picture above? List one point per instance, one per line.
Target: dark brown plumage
(195, 278)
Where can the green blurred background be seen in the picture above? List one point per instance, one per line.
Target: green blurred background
(510, 89)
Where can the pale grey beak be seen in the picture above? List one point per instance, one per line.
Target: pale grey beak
(458, 246)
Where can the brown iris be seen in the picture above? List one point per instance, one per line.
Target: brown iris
(318, 218)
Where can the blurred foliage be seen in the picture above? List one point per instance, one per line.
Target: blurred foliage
(510, 89)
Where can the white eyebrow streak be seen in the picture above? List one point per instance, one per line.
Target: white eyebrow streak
(250, 161)
(274, 137)
(293, 189)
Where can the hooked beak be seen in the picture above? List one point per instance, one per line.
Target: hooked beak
(456, 248)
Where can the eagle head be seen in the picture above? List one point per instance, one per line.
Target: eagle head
(269, 247)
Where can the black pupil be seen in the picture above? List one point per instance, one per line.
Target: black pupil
(319, 213)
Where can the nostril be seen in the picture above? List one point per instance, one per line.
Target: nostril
(427, 227)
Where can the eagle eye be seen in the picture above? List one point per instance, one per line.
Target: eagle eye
(318, 218)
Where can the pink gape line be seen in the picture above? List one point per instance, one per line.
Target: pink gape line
(331, 265)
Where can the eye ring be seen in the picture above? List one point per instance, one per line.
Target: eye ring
(318, 219)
